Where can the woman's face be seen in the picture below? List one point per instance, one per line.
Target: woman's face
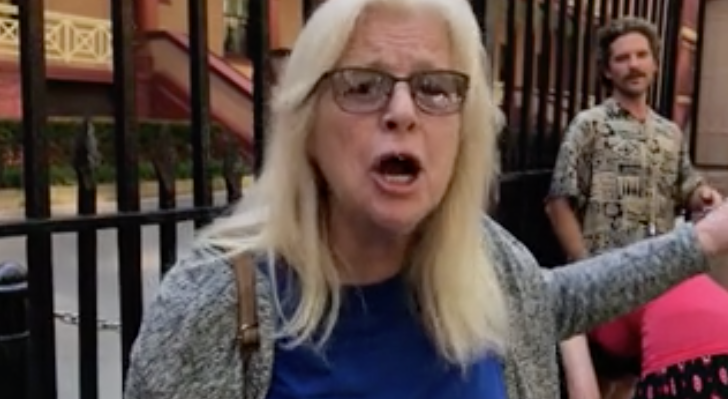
(386, 148)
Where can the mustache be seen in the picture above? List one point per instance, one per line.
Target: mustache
(635, 74)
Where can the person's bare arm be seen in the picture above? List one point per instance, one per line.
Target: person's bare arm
(689, 180)
(570, 183)
(569, 189)
(581, 379)
(566, 227)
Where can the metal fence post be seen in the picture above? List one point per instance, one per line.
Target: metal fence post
(14, 333)
(258, 36)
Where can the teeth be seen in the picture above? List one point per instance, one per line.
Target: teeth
(399, 179)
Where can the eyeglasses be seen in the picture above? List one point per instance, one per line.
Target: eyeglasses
(364, 90)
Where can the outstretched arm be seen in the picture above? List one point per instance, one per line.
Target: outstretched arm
(596, 290)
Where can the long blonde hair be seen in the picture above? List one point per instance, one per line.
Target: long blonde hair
(452, 273)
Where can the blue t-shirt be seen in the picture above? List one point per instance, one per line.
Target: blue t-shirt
(379, 350)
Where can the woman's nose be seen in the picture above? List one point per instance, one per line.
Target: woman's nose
(401, 112)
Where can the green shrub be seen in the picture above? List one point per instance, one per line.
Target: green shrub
(152, 136)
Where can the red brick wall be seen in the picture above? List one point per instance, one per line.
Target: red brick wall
(170, 102)
(10, 96)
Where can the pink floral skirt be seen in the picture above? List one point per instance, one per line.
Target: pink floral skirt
(702, 378)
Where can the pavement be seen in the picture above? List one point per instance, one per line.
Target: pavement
(65, 281)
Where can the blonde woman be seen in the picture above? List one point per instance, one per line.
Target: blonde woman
(376, 274)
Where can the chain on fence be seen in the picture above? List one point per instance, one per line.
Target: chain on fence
(73, 319)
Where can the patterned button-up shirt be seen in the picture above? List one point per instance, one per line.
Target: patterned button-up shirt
(623, 175)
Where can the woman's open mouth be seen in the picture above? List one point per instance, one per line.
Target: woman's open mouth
(397, 171)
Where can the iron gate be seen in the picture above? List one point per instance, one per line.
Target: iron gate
(545, 81)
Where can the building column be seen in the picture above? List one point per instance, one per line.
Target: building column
(146, 19)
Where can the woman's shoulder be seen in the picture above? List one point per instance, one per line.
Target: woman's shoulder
(509, 254)
(198, 286)
(520, 274)
(188, 332)
(532, 362)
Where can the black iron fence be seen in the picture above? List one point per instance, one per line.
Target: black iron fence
(34, 338)
(543, 51)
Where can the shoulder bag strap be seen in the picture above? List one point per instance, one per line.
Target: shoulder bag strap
(248, 335)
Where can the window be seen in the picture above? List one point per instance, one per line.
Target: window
(236, 19)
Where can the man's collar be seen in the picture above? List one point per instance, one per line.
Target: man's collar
(615, 109)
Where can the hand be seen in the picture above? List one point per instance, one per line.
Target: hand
(582, 392)
(623, 388)
(712, 231)
(704, 198)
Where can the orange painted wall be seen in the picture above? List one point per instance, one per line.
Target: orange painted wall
(173, 17)
(290, 21)
(87, 8)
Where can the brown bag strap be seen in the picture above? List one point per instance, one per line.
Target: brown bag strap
(248, 335)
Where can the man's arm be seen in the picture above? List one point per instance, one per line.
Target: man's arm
(569, 188)
(691, 191)
(566, 227)
(688, 180)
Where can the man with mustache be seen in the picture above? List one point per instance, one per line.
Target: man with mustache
(623, 173)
